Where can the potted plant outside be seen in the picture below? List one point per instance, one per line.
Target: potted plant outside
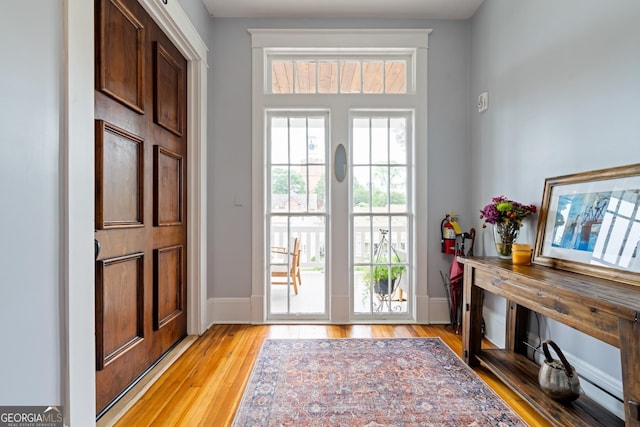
(378, 276)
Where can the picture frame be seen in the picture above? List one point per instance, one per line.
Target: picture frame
(589, 223)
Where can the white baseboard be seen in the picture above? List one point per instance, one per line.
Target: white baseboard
(239, 310)
(228, 310)
(439, 311)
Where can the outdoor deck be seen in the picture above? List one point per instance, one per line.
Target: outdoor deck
(311, 297)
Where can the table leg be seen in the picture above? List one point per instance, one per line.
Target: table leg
(471, 318)
(630, 355)
(517, 321)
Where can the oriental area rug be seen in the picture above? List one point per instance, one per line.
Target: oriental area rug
(368, 382)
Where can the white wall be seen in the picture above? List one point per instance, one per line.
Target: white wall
(30, 190)
(563, 81)
(198, 15)
(230, 141)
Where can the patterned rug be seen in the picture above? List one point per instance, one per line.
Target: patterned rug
(367, 382)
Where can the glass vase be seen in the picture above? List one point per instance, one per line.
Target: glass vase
(504, 235)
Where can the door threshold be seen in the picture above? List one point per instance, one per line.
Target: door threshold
(135, 393)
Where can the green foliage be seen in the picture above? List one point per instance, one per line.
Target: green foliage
(280, 184)
(379, 198)
(381, 269)
(319, 190)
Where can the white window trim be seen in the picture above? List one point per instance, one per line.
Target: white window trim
(262, 39)
(330, 38)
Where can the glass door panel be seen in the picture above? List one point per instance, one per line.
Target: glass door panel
(296, 280)
(380, 217)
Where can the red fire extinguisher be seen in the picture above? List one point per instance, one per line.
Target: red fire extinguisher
(448, 232)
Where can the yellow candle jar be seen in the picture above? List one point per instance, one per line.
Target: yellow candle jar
(521, 254)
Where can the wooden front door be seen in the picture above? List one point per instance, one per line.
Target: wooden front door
(140, 185)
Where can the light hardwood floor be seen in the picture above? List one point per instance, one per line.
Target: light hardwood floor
(205, 385)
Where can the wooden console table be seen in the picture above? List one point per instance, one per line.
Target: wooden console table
(604, 309)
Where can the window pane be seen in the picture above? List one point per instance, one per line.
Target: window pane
(305, 77)
(328, 77)
(317, 189)
(380, 188)
(398, 188)
(350, 76)
(378, 73)
(395, 77)
(361, 273)
(279, 189)
(372, 76)
(399, 236)
(279, 263)
(282, 77)
(361, 187)
(279, 140)
(361, 141)
(379, 140)
(298, 200)
(316, 142)
(398, 140)
(298, 138)
(380, 234)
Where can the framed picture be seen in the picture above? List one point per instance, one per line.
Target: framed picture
(589, 223)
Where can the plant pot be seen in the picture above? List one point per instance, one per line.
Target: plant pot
(381, 286)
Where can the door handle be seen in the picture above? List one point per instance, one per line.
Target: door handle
(97, 247)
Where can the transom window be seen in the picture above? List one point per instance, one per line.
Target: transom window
(340, 73)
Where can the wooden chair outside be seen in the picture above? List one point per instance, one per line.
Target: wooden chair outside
(293, 275)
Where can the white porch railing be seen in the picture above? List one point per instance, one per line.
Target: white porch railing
(313, 242)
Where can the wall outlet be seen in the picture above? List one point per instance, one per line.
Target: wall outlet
(483, 102)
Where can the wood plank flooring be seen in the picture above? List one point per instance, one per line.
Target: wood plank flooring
(205, 385)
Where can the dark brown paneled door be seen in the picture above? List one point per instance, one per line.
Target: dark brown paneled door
(140, 183)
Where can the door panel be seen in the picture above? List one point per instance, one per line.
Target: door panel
(119, 308)
(167, 186)
(168, 76)
(121, 56)
(297, 145)
(167, 269)
(119, 177)
(380, 214)
(141, 159)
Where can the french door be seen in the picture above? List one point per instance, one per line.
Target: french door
(381, 213)
(327, 237)
(297, 213)
(339, 175)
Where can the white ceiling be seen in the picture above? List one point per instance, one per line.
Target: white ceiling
(435, 9)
